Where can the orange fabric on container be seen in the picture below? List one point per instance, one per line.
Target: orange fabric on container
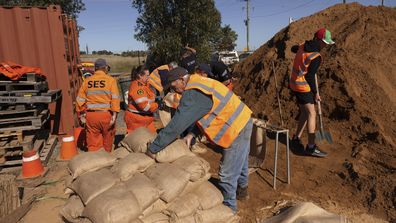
(155, 78)
(300, 69)
(99, 92)
(134, 121)
(228, 115)
(15, 71)
(99, 131)
(141, 102)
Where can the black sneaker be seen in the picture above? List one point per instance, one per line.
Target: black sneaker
(242, 193)
(297, 145)
(315, 151)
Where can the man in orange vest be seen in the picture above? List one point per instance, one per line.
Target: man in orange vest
(225, 121)
(302, 83)
(158, 76)
(98, 103)
(141, 102)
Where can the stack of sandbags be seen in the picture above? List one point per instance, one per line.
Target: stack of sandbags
(136, 188)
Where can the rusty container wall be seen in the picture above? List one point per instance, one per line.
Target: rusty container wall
(45, 38)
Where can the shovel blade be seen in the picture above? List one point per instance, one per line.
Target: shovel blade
(323, 135)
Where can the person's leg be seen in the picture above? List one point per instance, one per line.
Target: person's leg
(311, 122)
(93, 127)
(242, 193)
(108, 132)
(231, 165)
(302, 120)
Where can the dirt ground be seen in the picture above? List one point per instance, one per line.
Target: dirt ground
(357, 83)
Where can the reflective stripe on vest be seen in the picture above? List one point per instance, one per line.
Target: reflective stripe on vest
(228, 115)
(98, 106)
(300, 69)
(155, 78)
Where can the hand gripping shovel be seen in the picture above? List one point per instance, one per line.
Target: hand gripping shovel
(321, 134)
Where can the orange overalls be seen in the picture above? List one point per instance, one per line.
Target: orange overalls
(99, 98)
(141, 107)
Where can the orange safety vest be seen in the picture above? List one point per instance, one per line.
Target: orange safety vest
(155, 78)
(300, 69)
(99, 92)
(228, 115)
(141, 99)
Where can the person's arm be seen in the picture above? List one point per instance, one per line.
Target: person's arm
(193, 106)
(115, 97)
(81, 99)
(191, 49)
(310, 76)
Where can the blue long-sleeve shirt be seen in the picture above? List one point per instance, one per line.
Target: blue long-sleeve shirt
(194, 104)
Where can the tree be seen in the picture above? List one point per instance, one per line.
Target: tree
(70, 7)
(168, 25)
(225, 41)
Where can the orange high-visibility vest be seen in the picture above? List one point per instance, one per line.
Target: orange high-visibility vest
(228, 116)
(176, 100)
(141, 99)
(300, 69)
(155, 78)
(99, 92)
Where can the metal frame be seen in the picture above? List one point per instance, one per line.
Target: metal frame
(278, 131)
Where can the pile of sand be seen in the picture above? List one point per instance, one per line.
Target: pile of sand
(358, 88)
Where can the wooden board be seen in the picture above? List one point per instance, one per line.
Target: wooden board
(25, 123)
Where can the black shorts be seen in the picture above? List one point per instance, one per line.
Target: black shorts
(304, 97)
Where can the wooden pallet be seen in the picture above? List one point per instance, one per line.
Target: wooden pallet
(44, 97)
(11, 135)
(26, 77)
(23, 86)
(25, 123)
(15, 114)
(44, 147)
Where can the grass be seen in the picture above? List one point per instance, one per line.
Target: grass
(118, 64)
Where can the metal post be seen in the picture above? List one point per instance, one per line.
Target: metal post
(276, 158)
(287, 154)
(139, 56)
(247, 24)
(382, 2)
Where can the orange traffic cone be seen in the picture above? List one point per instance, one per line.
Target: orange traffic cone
(31, 164)
(68, 148)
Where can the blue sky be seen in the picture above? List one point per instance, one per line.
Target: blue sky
(109, 24)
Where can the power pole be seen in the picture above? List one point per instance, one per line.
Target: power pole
(86, 47)
(247, 21)
(344, 1)
(382, 2)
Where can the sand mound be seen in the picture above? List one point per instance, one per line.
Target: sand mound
(358, 88)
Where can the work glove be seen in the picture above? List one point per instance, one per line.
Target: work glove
(161, 105)
(83, 119)
(113, 119)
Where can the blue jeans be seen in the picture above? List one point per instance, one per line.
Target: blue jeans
(234, 166)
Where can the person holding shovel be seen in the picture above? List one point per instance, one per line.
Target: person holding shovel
(302, 83)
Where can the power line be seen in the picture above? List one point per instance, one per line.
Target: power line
(282, 12)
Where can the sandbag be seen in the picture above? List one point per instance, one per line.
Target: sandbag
(137, 221)
(170, 179)
(156, 218)
(192, 186)
(182, 207)
(173, 151)
(195, 165)
(121, 152)
(91, 184)
(72, 210)
(90, 161)
(116, 205)
(131, 164)
(258, 144)
(144, 190)
(306, 212)
(208, 195)
(137, 140)
(218, 214)
(188, 219)
(165, 117)
(157, 207)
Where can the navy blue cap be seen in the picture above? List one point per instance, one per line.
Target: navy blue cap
(205, 68)
(173, 75)
(100, 63)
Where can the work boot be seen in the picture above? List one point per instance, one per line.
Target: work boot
(297, 145)
(315, 151)
(242, 193)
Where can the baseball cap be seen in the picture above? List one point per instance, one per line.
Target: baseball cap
(100, 63)
(205, 68)
(324, 35)
(173, 75)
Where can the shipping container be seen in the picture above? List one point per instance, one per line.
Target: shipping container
(44, 37)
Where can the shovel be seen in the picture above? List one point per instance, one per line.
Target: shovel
(321, 134)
